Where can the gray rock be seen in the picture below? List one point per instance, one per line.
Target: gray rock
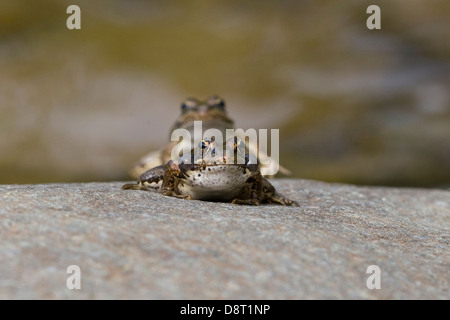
(136, 244)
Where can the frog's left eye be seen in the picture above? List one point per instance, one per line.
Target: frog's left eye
(251, 162)
(220, 105)
(250, 159)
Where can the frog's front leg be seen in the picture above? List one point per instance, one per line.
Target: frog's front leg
(151, 179)
(172, 177)
(251, 193)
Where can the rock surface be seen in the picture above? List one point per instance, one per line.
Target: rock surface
(135, 244)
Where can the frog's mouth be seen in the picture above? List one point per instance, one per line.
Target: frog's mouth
(251, 163)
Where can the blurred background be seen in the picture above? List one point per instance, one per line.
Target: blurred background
(353, 105)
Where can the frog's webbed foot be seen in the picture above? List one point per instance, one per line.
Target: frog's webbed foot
(277, 198)
(151, 179)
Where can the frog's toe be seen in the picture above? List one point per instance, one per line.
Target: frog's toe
(282, 200)
(292, 203)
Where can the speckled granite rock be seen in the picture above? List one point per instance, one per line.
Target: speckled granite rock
(135, 244)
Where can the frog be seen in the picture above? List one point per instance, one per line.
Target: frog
(213, 172)
(212, 112)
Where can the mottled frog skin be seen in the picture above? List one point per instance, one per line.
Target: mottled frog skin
(213, 173)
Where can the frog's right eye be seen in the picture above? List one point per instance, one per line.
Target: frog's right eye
(216, 102)
(189, 104)
(185, 107)
(205, 144)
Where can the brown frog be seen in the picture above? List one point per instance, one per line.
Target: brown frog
(214, 173)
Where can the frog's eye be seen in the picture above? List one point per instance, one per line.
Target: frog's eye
(250, 159)
(189, 104)
(215, 102)
(220, 105)
(205, 144)
(251, 162)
